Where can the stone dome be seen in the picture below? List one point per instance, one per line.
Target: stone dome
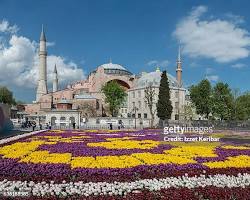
(154, 78)
(111, 68)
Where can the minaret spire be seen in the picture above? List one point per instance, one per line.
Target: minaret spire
(55, 69)
(179, 68)
(42, 80)
(55, 79)
(179, 54)
(42, 36)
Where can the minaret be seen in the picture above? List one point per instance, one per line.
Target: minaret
(55, 80)
(42, 81)
(179, 69)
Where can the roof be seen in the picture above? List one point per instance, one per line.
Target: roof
(61, 111)
(55, 69)
(65, 101)
(154, 78)
(113, 66)
(84, 96)
(22, 113)
(42, 36)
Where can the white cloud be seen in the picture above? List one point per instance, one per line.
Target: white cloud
(210, 74)
(209, 70)
(162, 63)
(6, 28)
(152, 62)
(238, 65)
(221, 40)
(68, 71)
(235, 18)
(19, 63)
(212, 78)
(193, 64)
(50, 44)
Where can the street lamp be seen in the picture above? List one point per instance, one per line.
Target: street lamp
(135, 109)
(79, 117)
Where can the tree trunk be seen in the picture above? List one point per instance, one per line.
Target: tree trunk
(152, 119)
(152, 122)
(161, 123)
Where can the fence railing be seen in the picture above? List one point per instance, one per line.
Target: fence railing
(218, 125)
(94, 127)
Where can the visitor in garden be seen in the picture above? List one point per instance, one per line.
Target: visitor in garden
(111, 126)
(120, 124)
(33, 126)
(141, 124)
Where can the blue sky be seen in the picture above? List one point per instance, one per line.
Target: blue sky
(138, 34)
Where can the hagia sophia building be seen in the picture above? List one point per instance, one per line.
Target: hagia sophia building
(83, 99)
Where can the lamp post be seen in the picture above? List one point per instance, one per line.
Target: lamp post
(135, 109)
(79, 117)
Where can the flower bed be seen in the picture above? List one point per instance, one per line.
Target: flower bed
(121, 164)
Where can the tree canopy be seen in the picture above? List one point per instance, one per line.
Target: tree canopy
(222, 101)
(201, 96)
(243, 107)
(164, 106)
(114, 96)
(6, 96)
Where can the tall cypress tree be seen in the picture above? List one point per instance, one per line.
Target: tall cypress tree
(164, 106)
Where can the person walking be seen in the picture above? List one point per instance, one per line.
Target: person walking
(121, 124)
(110, 126)
(33, 126)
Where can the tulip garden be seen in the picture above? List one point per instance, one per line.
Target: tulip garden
(124, 164)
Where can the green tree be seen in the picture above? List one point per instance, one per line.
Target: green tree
(243, 107)
(235, 94)
(188, 111)
(222, 101)
(201, 96)
(164, 106)
(114, 96)
(6, 96)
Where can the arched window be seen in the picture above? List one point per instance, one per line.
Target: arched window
(53, 121)
(62, 121)
(72, 120)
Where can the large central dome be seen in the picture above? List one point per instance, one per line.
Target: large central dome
(111, 68)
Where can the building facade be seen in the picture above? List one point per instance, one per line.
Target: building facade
(137, 104)
(87, 99)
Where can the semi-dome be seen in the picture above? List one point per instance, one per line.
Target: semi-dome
(111, 68)
(154, 78)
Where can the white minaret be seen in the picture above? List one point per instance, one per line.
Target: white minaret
(179, 68)
(55, 80)
(42, 81)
